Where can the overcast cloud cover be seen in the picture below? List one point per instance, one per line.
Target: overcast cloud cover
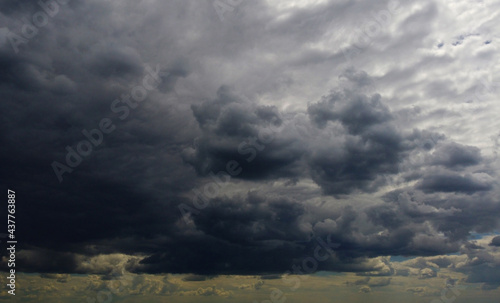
(238, 135)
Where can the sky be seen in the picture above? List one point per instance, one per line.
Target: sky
(251, 150)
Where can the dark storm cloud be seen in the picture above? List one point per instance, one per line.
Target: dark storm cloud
(374, 150)
(236, 238)
(18, 73)
(453, 183)
(455, 215)
(254, 219)
(373, 146)
(482, 267)
(43, 260)
(453, 155)
(365, 147)
(356, 112)
(24, 6)
(236, 235)
(236, 129)
(50, 97)
(495, 241)
(115, 62)
(124, 197)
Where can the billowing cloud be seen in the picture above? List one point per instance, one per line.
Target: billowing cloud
(279, 138)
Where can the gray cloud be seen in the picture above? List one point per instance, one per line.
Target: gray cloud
(453, 183)
(453, 155)
(495, 241)
(387, 154)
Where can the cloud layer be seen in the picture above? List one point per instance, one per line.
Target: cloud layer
(390, 150)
